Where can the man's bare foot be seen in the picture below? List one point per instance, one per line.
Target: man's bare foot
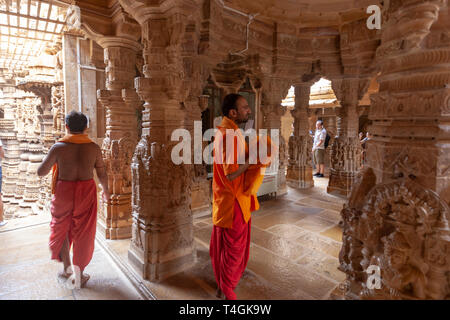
(219, 294)
(76, 282)
(84, 279)
(64, 274)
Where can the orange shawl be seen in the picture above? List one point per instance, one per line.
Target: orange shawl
(70, 138)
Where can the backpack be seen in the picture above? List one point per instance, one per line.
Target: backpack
(327, 140)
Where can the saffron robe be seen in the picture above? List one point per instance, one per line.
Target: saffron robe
(243, 188)
(233, 202)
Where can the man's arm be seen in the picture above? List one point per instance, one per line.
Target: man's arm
(319, 144)
(242, 168)
(322, 140)
(47, 163)
(100, 169)
(2, 153)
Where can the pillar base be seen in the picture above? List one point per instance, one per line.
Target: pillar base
(114, 233)
(300, 184)
(157, 272)
(201, 202)
(300, 177)
(159, 250)
(341, 182)
(281, 183)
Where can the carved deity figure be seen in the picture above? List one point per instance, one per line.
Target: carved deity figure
(400, 272)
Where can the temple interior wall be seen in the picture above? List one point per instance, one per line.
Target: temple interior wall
(392, 82)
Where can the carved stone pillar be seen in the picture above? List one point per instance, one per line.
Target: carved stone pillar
(31, 149)
(35, 190)
(272, 121)
(299, 172)
(121, 104)
(58, 111)
(330, 124)
(346, 148)
(201, 202)
(162, 232)
(274, 90)
(40, 139)
(397, 219)
(10, 163)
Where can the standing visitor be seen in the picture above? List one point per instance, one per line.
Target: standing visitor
(319, 149)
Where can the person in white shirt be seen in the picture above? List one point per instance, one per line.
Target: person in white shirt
(319, 149)
(2, 155)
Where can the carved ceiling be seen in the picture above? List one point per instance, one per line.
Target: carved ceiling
(26, 28)
(305, 13)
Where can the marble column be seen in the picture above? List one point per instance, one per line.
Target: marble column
(299, 172)
(121, 104)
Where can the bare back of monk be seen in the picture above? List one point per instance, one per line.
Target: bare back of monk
(77, 161)
(74, 203)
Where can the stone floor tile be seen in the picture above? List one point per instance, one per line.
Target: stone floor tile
(20, 223)
(254, 287)
(323, 264)
(320, 203)
(188, 285)
(296, 282)
(277, 244)
(267, 221)
(314, 223)
(286, 231)
(330, 215)
(316, 242)
(334, 233)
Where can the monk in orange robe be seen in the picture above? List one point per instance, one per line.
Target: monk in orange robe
(234, 198)
(74, 201)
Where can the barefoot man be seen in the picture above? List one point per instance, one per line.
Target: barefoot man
(74, 202)
(234, 198)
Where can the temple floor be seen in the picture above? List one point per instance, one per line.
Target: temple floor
(27, 273)
(295, 243)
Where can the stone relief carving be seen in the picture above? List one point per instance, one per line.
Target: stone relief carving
(300, 150)
(57, 103)
(403, 229)
(346, 154)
